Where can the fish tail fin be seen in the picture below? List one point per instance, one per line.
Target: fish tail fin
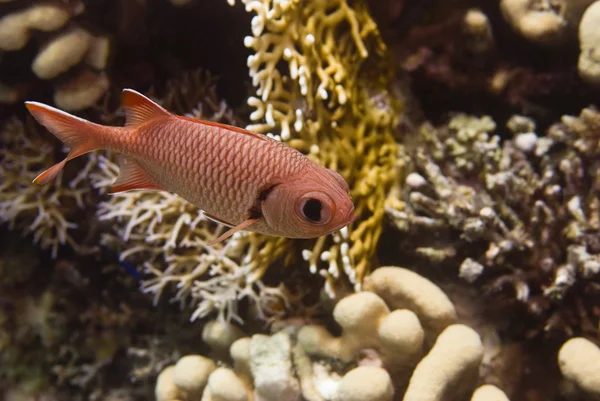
(80, 135)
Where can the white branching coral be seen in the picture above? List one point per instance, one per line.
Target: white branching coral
(169, 236)
(45, 212)
(311, 93)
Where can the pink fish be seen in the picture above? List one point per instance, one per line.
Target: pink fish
(241, 179)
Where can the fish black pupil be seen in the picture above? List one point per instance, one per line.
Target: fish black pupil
(312, 210)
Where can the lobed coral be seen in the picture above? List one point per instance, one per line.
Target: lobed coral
(544, 22)
(69, 55)
(321, 83)
(519, 216)
(381, 355)
(579, 362)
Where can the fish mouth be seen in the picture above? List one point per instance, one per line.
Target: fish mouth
(348, 219)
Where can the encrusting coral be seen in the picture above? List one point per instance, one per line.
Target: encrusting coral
(382, 355)
(64, 46)
(521, 216)
(314, 92)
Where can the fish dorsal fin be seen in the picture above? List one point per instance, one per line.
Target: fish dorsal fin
(132, 176)
(226, 127)
(140, 109)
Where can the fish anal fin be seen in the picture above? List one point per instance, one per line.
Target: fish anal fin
(140, 109)
(80, 135)
(242, 226)
(132, 176)
(226, 127)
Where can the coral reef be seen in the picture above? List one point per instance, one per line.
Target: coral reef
(51, 214)
(69, 55)
(381, 355)
(519, 217)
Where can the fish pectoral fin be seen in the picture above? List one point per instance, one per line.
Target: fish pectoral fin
(243, 225)
(132, 176)
(218, 220)
(140, 109)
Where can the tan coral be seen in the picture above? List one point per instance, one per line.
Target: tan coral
(451, 367)
(61, 53)
(365, 383)
(366, 322)
(220, 335)
(489, 392)
(542, 21)
(224, 385)
(70, 49)
(579, 363)
(82, 91)
(589, 44)
(165, 388)
(15, 27)
(190, 375)
(402, 288)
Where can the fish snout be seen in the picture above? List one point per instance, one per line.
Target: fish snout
(350, 215)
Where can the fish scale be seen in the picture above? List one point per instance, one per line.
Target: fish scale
(229, 169)
(240, 178)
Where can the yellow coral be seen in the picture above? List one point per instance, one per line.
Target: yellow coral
(310, 69)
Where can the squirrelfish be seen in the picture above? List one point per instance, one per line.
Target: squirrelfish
(239, 178)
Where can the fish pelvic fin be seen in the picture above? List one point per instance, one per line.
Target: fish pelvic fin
(243, 225)
(132, 176)
(80, 135)
(139, 109)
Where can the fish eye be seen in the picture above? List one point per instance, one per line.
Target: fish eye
(313, 210)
